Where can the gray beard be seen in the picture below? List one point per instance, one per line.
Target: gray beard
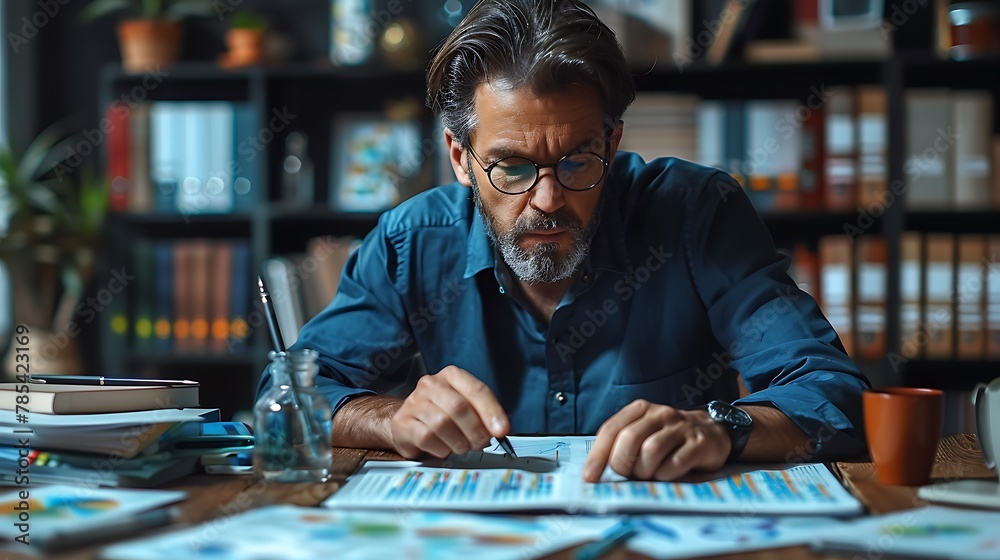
(541, 263)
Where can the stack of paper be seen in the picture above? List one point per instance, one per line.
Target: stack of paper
(126, 433)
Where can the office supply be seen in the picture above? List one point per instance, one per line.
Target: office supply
(100, 380)
(274, 531)
(611, 539)
(269, 314)
(209, 436)
(801, 489)
(72, 398)
(507, 447)
(63, 516)
(930, 532)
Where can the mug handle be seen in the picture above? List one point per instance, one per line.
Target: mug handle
(979, 401)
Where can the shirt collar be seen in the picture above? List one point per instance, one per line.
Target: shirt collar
(480, 251)
(607, 249)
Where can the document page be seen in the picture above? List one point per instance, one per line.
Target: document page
(538, 480)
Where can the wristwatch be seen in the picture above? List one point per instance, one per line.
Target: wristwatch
(736, 421)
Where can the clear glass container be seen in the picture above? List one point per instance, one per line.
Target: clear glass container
(293, 422)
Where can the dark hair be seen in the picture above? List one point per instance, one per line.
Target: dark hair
(547, 45)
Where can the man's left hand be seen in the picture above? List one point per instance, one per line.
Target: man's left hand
(649, 441)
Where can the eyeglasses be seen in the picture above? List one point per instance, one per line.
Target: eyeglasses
(579, 171)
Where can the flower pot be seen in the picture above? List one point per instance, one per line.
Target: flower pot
(246, 47)
(147, 44)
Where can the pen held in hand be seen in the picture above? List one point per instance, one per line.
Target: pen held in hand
(507, 447)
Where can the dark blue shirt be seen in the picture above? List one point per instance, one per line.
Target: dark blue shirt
(682, 291)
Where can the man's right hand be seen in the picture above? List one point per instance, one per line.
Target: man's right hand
(449, 412)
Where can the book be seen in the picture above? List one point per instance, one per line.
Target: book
(929, 156)
(910, 287)
(970, 344)
(836, 286)
(50, 398)
(972, 112)
(841, 150)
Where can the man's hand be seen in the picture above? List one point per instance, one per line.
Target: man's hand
(449, 412)
(656, 442)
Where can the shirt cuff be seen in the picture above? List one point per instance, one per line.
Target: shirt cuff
(833, 435)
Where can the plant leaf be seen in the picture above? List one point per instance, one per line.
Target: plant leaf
(182, 9)
(99, 8)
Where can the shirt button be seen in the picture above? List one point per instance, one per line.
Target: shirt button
(561, 398)
(586, 278)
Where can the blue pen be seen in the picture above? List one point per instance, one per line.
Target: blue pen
(611, 539)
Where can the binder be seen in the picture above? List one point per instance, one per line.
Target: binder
(871, 297)
(970, 295)
(939, 283)
(836, 286)
(910, 288)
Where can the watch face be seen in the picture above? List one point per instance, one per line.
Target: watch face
(730, 414)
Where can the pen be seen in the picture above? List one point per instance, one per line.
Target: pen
(272, 319)
(76, 538)
(611, 539)
(507, 447)
(110, 381)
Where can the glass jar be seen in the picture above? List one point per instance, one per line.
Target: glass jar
(293, 422)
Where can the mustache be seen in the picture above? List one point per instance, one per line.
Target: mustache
(539, 221)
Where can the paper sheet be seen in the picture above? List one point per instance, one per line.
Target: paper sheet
(802, 489)
(929, 532)
(299, 533)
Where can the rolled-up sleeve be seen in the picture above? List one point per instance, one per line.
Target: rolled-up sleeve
(785, 349)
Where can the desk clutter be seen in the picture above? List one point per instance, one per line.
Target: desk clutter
(100, 432)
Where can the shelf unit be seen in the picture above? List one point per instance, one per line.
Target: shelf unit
(315, 94)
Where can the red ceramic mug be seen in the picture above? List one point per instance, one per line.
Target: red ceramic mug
(903, 426)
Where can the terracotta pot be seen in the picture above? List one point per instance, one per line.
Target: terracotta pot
(148, 43)
(246, 46)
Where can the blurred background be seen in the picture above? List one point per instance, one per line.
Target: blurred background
(156, 156)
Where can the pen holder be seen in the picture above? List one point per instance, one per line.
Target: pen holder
(292, 422)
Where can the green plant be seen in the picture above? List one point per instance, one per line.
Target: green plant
(150, 9)
(50, 220)
(247, 20)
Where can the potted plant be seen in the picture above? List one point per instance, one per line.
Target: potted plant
(150, 35)
(49, 230)
(245, 40)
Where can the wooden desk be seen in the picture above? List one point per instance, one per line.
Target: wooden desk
(216, 497)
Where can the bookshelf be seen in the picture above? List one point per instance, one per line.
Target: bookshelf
(317, 94)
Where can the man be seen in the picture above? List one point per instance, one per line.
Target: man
(561, 286)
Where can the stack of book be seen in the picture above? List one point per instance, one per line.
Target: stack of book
(80, 432)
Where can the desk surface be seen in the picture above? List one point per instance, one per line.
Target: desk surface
(218, 496)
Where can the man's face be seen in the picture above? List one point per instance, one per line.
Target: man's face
(544, 234)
